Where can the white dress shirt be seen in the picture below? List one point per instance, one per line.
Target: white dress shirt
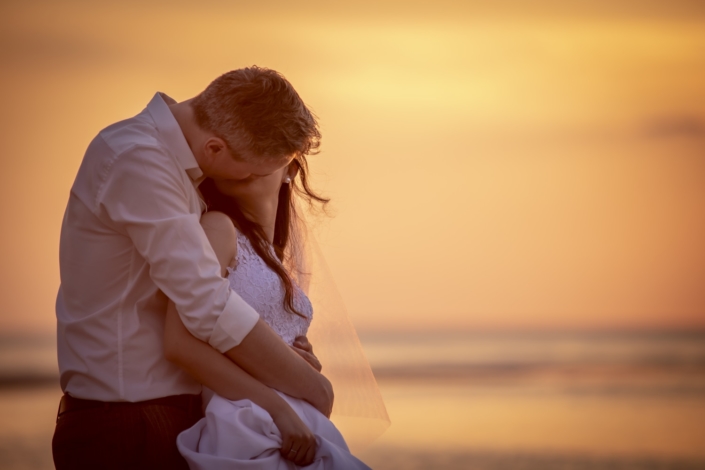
(130, 238)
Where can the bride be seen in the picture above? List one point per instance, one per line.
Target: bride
(253, 228)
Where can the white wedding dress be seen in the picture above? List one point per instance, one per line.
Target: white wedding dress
(240, 434)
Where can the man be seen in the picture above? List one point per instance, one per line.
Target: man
(131, 238)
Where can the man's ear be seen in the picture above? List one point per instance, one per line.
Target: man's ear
(215, 148)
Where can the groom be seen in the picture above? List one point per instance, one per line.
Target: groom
(131, 239)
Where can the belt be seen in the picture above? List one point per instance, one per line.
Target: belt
(188, 403)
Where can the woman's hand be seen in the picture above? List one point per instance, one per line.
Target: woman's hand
(298, 442)
(304, 349)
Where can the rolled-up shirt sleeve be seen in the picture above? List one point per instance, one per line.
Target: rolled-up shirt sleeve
(148, 200)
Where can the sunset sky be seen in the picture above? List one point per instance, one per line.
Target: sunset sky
(492, 166)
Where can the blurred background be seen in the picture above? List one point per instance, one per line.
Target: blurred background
(518, 193)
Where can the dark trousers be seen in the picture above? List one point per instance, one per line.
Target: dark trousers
(119, 435)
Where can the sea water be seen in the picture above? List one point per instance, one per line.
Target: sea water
(469, 400)
(541, 400)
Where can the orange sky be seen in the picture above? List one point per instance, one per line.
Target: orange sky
(491, 167)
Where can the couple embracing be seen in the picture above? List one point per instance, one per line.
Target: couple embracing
(181, 273)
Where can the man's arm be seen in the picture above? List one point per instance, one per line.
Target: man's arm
(286, 371)
(144, 198)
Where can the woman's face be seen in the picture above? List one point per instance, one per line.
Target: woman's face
(255, 187)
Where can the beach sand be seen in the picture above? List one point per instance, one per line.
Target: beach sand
(452, 427)
(27, 418)
(458, 426)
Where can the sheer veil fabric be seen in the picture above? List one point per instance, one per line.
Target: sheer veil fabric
(358, 409)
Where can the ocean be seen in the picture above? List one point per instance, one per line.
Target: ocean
(619, 400)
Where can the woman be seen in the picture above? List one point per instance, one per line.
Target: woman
(256, 426)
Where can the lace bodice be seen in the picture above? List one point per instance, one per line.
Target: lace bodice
(260, 287)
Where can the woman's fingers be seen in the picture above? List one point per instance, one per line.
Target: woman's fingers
(293, 455)
(301, 342)
(310, 455)
(305, 350)
(286, 448)
(297, 438)
(306, 453)
(299, 449)
(308, 357)
(290, 449)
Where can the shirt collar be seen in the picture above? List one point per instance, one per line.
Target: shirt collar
(170, 133)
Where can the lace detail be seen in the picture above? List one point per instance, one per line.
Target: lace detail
(260, 287)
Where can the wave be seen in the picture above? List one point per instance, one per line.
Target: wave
(596, 362)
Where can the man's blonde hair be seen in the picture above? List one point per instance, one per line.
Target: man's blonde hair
(258, 114)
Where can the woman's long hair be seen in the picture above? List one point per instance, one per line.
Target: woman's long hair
(286, 220)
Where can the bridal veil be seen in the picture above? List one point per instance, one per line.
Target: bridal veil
(358, 408)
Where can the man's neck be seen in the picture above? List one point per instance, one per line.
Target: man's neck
(184, 115)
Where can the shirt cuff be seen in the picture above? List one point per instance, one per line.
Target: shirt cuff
(236, 322)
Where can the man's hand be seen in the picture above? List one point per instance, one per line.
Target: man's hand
(304, 349)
